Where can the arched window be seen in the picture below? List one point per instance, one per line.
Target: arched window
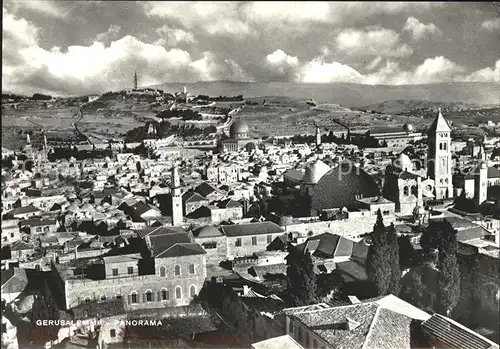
(165, 296)
(178, 292)
(440, 146)
(148, 296)
(444, 146)
(406, 191)
(133, 298)
(162, 271)
(191, 268)
(192, 290)
(103, 297)
(177, 270)
(87, 300)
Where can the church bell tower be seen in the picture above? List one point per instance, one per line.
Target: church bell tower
(439, 164)
(177, 214)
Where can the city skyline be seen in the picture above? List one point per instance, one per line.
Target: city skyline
(84, 47)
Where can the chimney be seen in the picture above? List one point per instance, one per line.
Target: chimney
(351, 324)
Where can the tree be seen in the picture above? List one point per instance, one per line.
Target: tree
(44, 308)
(393, 246)
(300, 277)
(330, 284)
(407, 254)
(414, 292)
(379, 268)
(440, 235)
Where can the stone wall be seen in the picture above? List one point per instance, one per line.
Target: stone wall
(247, 248)
(77, 291)
(349, 228)
(214, 255)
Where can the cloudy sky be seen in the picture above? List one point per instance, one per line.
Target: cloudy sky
(65, 47)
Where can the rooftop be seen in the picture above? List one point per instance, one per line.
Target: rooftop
(257, 228)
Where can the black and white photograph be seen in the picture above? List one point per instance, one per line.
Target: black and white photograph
(250, 175)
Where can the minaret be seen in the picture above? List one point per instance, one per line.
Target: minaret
(135, 80)
(28, 140)
(318, 136)
(186, 93)
(481, 183)
(177, 214)
(44, 141)
(439, 166)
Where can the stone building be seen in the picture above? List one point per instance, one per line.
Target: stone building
(245, 239)
(213, 242)
(439, 163)
(170, 271)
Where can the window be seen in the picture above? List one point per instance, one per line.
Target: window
(165, 296)
(192, 291)
(254, 240)
(115, 272)
(149, 296)
(38, 229)
(130, 270)
(238, 242)
(177, 270)
(162, 271)
(87, 299)
(45, 229)
(444, 146)
(118, 296)
(133, 298)
(178, 292)
(191, 268)
(11, 235)
(269, 239)
(210, 245)
(406, 191)
(103, 297)
(112, 333)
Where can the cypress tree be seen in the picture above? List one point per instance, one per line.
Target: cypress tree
(300, 276)
(393, 255)
(378, 266)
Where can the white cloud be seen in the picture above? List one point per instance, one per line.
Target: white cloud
(420, 30)
(281, 66)
(172, 37)
(317, 71)
(487, 74)
(220, 17)
(109, 35)
(491, 24)
(373, 41)
(46, 7)
(19, 31)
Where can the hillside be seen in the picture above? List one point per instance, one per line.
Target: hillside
(404, 105)
(348, 95)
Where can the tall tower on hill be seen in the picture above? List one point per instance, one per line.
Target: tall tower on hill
(439, 166)
(177, 214)
(135, 80)
(318, 136)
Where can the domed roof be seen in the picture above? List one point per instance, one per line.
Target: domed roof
(239, 126)
(340, 186)
(315, 171)
(403, 162)
(207, 231)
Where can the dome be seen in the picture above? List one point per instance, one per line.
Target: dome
(403, 162)
(238, 127)
(408, 127)
(340, 187)
(207, 231)
(315, 171)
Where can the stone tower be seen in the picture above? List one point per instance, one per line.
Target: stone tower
(439, 166)
(481, 183)
(318, 136)
(177, 214)
(135, 80)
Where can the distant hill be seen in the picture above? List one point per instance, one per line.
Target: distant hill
(406, 105)
(346, 94)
